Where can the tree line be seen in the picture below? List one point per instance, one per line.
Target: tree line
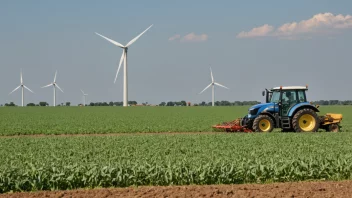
(42, 104)
(333, 102)
(134, 103)
(182, 103)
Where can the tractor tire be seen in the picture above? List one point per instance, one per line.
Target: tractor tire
(306, 120)
(263, 123)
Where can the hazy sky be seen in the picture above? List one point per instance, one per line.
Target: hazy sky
(250, 45)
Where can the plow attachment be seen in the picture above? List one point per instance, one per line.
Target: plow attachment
(232, 126)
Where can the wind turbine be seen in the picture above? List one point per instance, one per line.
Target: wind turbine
(124, 59)
(84, 97)
(54, 84)
(213, 83)
(23, 87)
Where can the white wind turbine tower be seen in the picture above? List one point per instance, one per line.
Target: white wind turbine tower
(124, 59)
(213, 83)
(54, 84)
(23, 87)
(84, 97)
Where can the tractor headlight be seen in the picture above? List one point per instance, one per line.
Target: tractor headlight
(253, 111)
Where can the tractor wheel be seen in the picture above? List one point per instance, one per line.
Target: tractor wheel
(305, 120)
(333, 128)
(263, 123)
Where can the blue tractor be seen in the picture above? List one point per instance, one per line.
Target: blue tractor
(287, 108)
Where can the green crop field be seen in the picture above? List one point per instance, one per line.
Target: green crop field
(48, 163)
(98, 120)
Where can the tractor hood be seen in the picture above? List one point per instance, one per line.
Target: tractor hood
(261, 105)
(260, 108)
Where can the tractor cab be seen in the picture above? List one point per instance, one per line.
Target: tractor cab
(286, 97)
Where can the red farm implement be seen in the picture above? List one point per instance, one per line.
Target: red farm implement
(232, 126)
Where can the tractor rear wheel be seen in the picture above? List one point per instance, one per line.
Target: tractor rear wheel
(263, 123)
(305, 120)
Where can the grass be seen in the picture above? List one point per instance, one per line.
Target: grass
(98, 120)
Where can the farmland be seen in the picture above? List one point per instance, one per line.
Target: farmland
(70, 162)
(100, 120)
(48, 163)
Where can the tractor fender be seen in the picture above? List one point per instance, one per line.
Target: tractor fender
(270, 115)
(305, 105)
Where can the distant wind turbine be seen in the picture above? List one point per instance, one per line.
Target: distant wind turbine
(124, 59)
(84, 97)
(54, 84)
(23, 87)
(213, 83)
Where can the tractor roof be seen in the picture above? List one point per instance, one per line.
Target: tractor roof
(290, 88)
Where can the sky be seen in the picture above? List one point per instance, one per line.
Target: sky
(250, 45)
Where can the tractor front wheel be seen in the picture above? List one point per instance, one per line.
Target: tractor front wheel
(305, 120)
(263, 123)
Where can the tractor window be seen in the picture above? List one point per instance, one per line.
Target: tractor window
(275, 97)
(301, 96)
(289, 97)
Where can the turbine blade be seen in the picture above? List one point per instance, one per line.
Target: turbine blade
(111, 41)
(211, 73)
(47, 85)
(137, 37)
(205, 88)
(27, 88)
(82, 91)
(59, 88)
(21, 77)
(122, 59)
(218, 84)
(15, 89)
(55, 76)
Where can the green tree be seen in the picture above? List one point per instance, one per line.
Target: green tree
(132, 102)
(170, 103)
(11, 104)
(68, 104)
(43, 104)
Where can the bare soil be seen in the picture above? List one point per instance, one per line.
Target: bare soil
(296, 189)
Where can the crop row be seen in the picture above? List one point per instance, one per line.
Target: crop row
(86, 162)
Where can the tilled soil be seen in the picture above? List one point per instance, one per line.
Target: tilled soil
(297, 189)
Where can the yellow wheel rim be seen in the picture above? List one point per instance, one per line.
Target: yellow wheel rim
(307, 122)
(264, 125)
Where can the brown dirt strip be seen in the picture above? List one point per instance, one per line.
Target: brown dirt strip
(297, 189)
(111, 134)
